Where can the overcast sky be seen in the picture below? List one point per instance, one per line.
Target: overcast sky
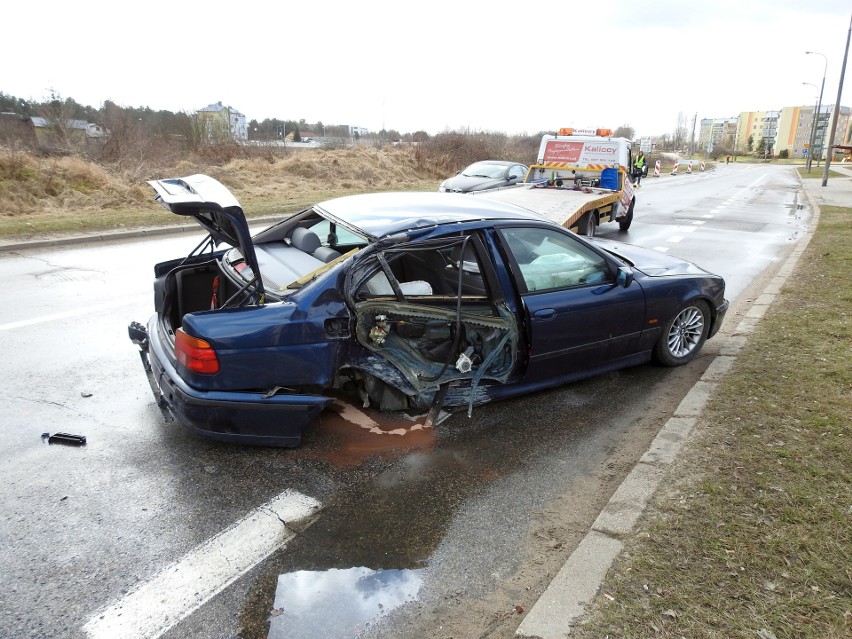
(512, 67)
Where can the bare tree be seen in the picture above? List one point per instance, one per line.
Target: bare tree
(58, 113)
(625, 131)
(680, 135)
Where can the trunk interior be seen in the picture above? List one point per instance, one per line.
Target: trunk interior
(196, 285)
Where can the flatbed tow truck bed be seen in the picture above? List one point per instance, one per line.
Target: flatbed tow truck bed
(564, 205)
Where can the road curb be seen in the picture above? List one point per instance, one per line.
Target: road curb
(564, 601)
(112, 236)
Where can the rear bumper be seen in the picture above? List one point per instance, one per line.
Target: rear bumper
(231, 416)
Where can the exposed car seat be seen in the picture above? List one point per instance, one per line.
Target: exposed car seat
(308, 242)
(379, 285)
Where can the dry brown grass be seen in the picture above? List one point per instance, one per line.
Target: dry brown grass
(44, 195)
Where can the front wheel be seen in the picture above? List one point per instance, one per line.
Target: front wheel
(684, 335)
(625, 222)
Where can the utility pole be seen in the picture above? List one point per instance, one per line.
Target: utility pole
(837, 106)
(692, 137)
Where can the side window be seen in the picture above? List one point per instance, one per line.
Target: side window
(447, 267)
(518, 172)
(549, 259)
(334, 236)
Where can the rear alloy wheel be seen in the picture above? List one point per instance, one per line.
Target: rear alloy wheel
(587, 224)
(684, 335)
(624, 223)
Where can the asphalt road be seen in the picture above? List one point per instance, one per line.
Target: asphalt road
(405, 532)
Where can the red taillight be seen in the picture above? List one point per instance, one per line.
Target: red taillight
(196, 354)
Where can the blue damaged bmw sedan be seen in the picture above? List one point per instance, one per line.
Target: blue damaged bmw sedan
(403, 300)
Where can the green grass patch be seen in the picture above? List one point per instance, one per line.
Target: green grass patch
(817, 173)
(752, 533)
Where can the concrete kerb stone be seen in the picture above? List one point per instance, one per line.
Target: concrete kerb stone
(100, 237)
(756, 311)
(564, 601)
(629, 500)
(116, 235)
(696, 399)
(581, 576)
(775, 286)
(669, 441)
(733, 345)
(720, 365)
(747, 326)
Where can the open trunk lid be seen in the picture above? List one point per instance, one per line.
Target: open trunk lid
(216, 209)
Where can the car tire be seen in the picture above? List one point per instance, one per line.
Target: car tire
(587, 224)
(625, 222)
(683, 335)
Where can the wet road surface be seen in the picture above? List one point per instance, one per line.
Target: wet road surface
(471, 516)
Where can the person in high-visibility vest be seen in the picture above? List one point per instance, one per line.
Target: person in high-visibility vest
(638, 168)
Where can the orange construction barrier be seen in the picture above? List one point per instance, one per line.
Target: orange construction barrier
(677, 164)
(689, 167)
(701, 168)
(657, 168)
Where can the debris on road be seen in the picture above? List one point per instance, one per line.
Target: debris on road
(64, 438)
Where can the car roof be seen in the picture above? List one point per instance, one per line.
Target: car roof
(498, 162)
(382, 214)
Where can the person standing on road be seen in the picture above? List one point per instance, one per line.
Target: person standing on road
(638, 168)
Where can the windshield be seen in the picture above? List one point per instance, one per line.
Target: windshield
(485, 169)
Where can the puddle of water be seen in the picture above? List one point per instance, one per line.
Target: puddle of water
(337, 603)
(357, 433)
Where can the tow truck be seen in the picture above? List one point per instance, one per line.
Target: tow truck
(581, 179)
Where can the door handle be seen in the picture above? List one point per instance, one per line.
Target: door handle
(545, 313)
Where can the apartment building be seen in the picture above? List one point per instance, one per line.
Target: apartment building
(790, 129)
(717, 132)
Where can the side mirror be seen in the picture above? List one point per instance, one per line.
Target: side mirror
(625, 276)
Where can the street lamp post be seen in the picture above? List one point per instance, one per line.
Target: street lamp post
(819, 108)
(837, 106)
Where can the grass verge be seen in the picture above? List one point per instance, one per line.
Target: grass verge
(817, 173)
(75, 222)
(71, 195)
(752, 535)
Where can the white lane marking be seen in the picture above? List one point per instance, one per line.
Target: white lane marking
(698, 222)
(83, 310)
(709, 217)
(662, 249)
(180, 589)
(675, 239)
